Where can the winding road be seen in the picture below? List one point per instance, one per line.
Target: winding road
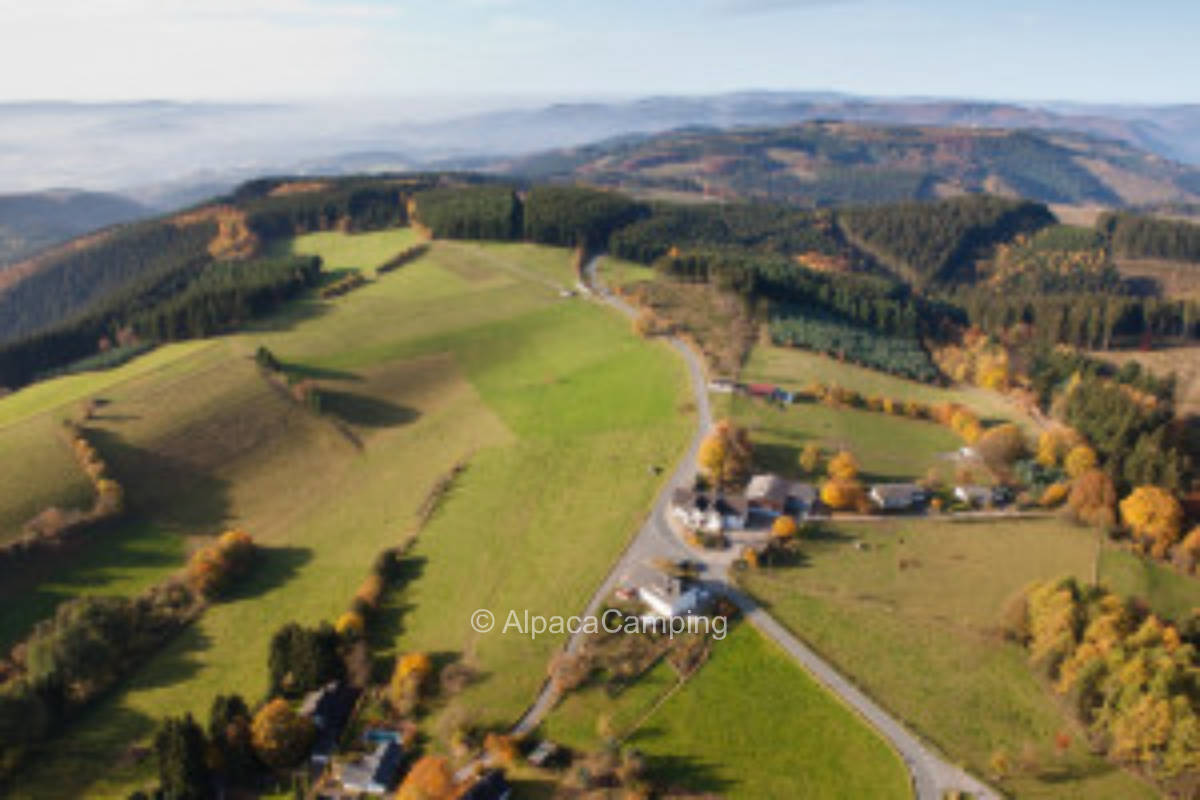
(932, 775)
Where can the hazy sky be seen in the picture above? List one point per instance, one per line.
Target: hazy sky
(1092, 50)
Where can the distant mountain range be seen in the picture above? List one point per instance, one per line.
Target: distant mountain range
(156, 152)
(31, 222)
(166, 155)
(838, 163)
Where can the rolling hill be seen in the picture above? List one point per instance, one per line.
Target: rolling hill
(839, 163)
(31, 222)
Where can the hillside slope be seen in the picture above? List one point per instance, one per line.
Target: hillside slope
(30, 222)
(836, 163)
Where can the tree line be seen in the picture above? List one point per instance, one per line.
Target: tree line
(767, 228)
(192, 301)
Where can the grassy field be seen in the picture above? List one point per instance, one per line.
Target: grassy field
(794, 368)
(558, 407)
(358, 251)
(749, 724)
(887, 447)
(913, 618)
(616, 272)
(37, 471)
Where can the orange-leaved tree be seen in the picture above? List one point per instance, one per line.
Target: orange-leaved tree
(843, 466)
(784, 527)
(725, 454)
(280, 736)
(409, 678)
(429, 779)
(1154, 518)
(841, 494)
(1093, 498)
(1080, 460)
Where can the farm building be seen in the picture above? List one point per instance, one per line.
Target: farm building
(801, 498)
(329, 708)
(897, 496)
(668, 596)
(373, 774)
(975, 496)
(707, 513)
(768, 493)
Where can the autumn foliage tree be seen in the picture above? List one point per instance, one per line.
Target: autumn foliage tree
(212, 569)
(1001, 446)
(1079, 460)
(1154, 518)
(409, 678)
(280, 736)
(839, 494)
(1127, 674)
(1093, 499)
(350, 625)
(810, 458)
(843, 466)
(784, 527)
(429, 779)
(725, 454)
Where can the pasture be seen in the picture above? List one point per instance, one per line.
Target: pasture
(749, 724)
(794, 368)
(558, 408)
(914, 617)
(888, 448)
(37, 470)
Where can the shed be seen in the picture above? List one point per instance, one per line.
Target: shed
(767, 493)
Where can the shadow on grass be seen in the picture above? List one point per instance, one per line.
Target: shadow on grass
(364, 411)
(164, 487)
(389, 625)
(782, 459)
(93, 745)
(106, 554)
(176, 663)
(290, 315)
(682, 772)
(318, 373)
(276, 566)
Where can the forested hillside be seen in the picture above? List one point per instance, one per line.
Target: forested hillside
(840, 164)
(31, 222)
(840, 280)
(937, 242)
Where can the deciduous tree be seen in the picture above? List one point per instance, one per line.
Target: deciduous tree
(1154, 518)
(725, 454)
(1093, 498)
(281, 737)
(810, 458)
(843, 466)
(784, 527)
(429, 779)
(1081, 459)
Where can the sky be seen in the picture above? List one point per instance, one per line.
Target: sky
(1081, 50)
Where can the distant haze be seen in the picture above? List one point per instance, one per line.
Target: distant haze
(166, 154)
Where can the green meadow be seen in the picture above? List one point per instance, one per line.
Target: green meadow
(558, 410)
(913, 616)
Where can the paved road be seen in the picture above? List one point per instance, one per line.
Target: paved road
(655, 540)
(932, 775)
